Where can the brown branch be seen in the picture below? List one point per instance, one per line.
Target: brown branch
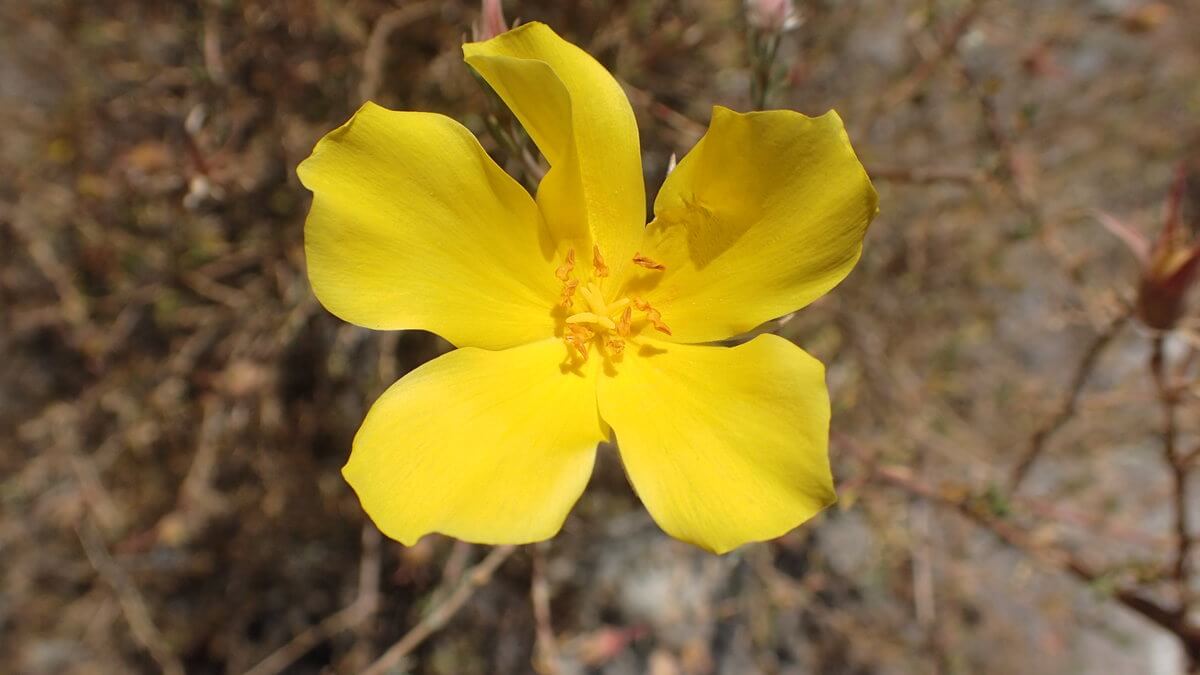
(376, 51)
(214, 64)
(72, 301)
(539, 594)
(312, 636)
(962, 502)
(927, 175)
(133, 605)
(474, 579)
(370, 567)
(215, 291)
(1017, 176)
(1190, 458)
(908, 87)
(1178, 465)
(1015, 173)
(685, 127)
(350, 616)
(1069, 403)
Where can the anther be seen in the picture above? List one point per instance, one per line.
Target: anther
(648, 263)
(598, 262)
(626, 321)
(615, 346)
(564, 271)
(568, 291)
(609, 325)
(577, 338)
(652, 315)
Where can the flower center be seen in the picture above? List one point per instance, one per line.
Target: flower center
(593, 319)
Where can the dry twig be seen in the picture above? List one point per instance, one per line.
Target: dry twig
(330, 626)
(1178, 466)
(376, 51)
(474, 579)
(133, 605)
(907, 88)
(1069, 404)
(927, 175)
(539, 594)
(964, 503)
(354, 614)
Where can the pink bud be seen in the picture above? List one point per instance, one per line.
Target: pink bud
(491, 20)
(772, 16)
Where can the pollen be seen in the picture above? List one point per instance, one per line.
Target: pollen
(592, 318)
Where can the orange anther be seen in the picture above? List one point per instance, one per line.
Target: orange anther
(614, 345)
(648, 263)
(564, 271)
(598, 262)
(625, 322)
(652, 315)
(577, 337)
(568, 291)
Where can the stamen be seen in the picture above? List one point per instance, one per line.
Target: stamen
(652, 315)
(648, 263)
(626, 321)
(568, 292)
(577, 338)
(615, 346)
(564, 271)
(598, 262)
(596, 322)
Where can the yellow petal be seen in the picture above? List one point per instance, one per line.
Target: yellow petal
(763, 216)
(489, 447)
(582, 122)
(414, 226)
(724, 445)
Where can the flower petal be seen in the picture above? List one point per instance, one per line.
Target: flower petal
(763, 216)
(414, 226)
(489, 447)
(724, 445)
(582, 122)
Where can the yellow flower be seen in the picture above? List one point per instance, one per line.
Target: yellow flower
(574, 320)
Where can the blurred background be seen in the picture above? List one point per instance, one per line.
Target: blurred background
(1014, 391)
